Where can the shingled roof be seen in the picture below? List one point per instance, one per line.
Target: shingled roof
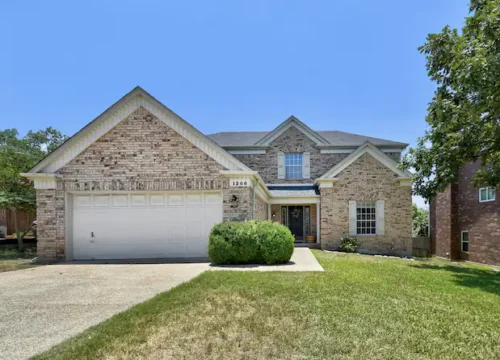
(335, 138)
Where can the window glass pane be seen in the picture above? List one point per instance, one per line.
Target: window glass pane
(465, 246)
(491, 194)
(482, 194)
(293, 166)
(366, 218)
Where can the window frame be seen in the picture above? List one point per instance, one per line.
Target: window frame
(296, 167)
(367, 204)
(487, 193)
(462, 240)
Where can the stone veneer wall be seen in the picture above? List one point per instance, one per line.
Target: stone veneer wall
(140, 153)
(291, 141)
(364, 180)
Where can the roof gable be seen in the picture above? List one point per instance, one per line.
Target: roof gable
(371, 149)
(118, 112)
(292, 121)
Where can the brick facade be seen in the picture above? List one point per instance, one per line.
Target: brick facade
(368, 180)
(260, 209)
(140, 153)
(291, 141)
(458, 209)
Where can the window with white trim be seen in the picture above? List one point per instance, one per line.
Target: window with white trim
(366, 218)
(293, 166)
(465, 241)
(486, 194)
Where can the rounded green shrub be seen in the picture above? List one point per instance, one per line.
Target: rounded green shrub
(250, 242)
(276, 242)
(233, 243)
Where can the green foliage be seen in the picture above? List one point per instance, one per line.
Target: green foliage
(233, 243)
(349, 243)
(464, 114)
(420, 221)
(250, 242)
(18, 155)
(275, 242)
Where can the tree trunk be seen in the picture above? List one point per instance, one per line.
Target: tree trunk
(20, 244)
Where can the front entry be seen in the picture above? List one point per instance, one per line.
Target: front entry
(296, 221)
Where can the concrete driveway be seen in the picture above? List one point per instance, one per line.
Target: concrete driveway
(43, 306)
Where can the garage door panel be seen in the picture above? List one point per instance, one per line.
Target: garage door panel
(140, 225)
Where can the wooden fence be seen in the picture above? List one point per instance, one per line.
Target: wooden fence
(422, 246)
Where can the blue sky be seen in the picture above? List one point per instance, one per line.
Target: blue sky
(223, 65)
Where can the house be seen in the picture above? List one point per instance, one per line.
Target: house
(140, 182)
(465, 220)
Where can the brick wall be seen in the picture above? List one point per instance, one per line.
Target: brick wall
(466, 213)
(260, 209)
(446, 216)
(140, 153)
(481, 220)
(237, 204)
(368, 180)
(291, 141)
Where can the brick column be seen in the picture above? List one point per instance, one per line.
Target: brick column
(447, 237)
(327, 218)
(46, 225)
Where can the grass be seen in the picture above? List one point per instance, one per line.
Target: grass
(12, 259)
(361, 307)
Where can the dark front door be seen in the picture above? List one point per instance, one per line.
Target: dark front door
(296, 221)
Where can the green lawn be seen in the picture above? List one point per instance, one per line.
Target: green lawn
(11, 259)
(361, 307)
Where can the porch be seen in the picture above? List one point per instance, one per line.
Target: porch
(303, 220)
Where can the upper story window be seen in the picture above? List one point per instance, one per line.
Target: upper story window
(366, 218)
(486, 194)
(293, 166)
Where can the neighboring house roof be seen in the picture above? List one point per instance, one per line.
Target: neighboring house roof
(329, 138)
(119, 111)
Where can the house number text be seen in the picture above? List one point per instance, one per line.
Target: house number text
(240, 183)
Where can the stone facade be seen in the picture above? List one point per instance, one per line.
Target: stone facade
(368, 180)
(291, 141)
(458, 209)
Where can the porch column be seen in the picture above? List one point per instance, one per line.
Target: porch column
(318, 222)
(269, 212)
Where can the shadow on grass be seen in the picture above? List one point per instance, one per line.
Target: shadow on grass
(484, 279)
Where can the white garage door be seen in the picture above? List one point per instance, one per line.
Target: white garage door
(140, 225)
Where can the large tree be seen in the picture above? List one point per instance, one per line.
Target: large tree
(18, 155)
(464, 114)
